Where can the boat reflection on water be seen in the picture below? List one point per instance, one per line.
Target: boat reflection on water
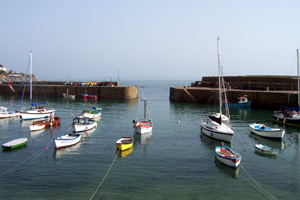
(87, 133)
(142, 138)
(125, 153)
(229, 171)
(59, 153)
(275, 143)
(35, 134)
(212, 143)
(6, 121)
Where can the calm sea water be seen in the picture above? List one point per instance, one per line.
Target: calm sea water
(175, 162)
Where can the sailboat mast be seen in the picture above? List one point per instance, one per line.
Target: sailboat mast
(219, 73)
(145, 109)
(30, 76)
(298, 78)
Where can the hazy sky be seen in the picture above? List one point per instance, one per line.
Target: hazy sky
(153, 39)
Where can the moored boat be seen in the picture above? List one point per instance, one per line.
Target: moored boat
(261, 148)
(218, 126)
(242, 102)
(145, 125)
(7, 114)
(47, 123)
(87, 97)
(92, 113)
(36, 127)
(81, 123)
(69, 96)
(124, 153)
(124, 143)
(215, 130)
(264, 131)
(290, 116)
(37, 110)
(50, 122)
(227, 156)
(67, 140)
(14, 143)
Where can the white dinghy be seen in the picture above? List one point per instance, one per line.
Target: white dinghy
(261, 148)
(36, 127)
(265, 131)
(67, 140)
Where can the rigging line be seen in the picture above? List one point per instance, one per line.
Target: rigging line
(107, 172)
(25, 80)
(257, 184)
(32, 157)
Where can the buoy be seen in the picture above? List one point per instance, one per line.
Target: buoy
(178, 122)
(46, 148)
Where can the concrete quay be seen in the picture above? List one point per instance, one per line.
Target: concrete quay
(103, 92)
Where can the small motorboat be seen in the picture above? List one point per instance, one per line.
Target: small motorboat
(14, 143)
(7, 114)
(227, 156)
(124, 143)
(261, 148)
(67, 140)
(87, 97)
(145, 125)
(81, 123)
(264, 131)
(242, 102)
(36, 127)
(92, 113)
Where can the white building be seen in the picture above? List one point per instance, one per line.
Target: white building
(2, 68)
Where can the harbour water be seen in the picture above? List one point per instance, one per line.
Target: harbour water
(174, 162)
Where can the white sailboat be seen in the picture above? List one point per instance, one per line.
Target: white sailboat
(290, 115)
(218, 126)
(145, 125)
(36, 111)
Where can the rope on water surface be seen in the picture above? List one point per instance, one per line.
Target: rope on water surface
(106, 174)
(240, 144)
(270, 196)
(32, 157)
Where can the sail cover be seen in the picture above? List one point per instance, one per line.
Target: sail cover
(216, 119)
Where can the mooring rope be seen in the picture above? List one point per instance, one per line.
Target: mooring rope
(32, 157)
(270, 196)
(107, 172)
(240, 144)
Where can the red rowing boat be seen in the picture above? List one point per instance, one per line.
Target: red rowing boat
(47, 123)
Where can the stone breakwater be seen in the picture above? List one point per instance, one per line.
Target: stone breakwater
(268, 92)
(116, 92)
